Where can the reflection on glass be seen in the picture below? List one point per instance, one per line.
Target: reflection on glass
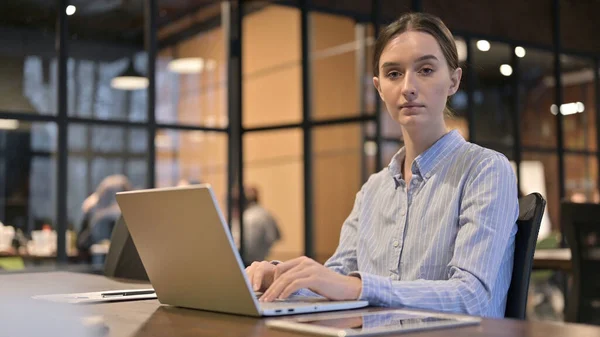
(28, 58)
(91, 94)
(539, 173)
(581, 181)
(338, 157)
(27, 187)
(278, 175)
(28, 84)
(579, 106)
(106, 43)
(492, 97)
(96, 152)
(369, 322)
(192, 73)
(191, 157)
(536, 95)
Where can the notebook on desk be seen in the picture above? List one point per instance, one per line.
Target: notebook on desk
(188, 252)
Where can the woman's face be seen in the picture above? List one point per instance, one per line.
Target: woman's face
(414, 79)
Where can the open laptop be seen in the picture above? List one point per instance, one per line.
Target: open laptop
(190, 257)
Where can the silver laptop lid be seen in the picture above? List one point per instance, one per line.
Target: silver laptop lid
(187, 249)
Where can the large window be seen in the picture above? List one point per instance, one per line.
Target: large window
(309, 137)
(27, 169)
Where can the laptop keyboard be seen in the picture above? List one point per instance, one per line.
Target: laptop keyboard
(294, 299)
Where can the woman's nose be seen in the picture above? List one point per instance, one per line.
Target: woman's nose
(409, 89)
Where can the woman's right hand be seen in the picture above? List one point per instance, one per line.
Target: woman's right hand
(261, 275)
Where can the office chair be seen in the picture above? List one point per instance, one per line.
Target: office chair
(531, 210)
(123, 260)
(581, 224)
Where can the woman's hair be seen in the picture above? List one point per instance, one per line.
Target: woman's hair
(418, 22)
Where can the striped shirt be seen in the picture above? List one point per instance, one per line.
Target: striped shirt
(444, 243)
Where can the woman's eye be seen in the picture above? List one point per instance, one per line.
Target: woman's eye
(393, 74)
(426, 71)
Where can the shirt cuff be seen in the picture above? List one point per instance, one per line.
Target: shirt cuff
(377, 290)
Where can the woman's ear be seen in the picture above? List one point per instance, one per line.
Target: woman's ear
(455, 81)
(377, 86)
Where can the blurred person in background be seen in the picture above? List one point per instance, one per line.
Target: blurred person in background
(100, 213)
(260, 227)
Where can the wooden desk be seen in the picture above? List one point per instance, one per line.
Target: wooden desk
(554, 259)
(149, 318)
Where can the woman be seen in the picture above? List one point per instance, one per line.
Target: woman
(433, 230)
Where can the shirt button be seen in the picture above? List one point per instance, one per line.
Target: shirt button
(427, 175)
(403, 212)
(396, 244)
(391, 275)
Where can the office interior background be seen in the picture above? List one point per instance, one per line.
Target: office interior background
(277, 95)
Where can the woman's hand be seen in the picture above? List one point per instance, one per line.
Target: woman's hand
(261, 275)
(304, 272)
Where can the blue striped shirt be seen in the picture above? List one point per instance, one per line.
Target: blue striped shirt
(444, 243)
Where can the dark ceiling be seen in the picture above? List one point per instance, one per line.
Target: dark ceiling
(115, 21)
(120, 22)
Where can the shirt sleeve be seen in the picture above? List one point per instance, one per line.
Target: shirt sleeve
(487, 221)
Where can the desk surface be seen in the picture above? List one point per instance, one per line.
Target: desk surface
(555, 259)
(149, 318)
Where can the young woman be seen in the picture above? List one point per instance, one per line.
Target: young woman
(433, 230)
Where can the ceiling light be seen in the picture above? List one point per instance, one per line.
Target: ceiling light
(506, 70)
(71, 9)
(188, 65)
(520, 51)
(568, 108)
(9, 124)
(130, 79)
(483, 45)
(461, 48)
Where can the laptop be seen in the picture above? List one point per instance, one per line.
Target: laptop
(188, 252)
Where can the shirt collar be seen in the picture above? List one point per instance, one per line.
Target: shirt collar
(427, 162)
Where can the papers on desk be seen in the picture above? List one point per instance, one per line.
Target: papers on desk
(101, 296)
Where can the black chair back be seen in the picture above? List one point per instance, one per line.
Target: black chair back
(123, 260)
(531, 210)
(581, 225)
